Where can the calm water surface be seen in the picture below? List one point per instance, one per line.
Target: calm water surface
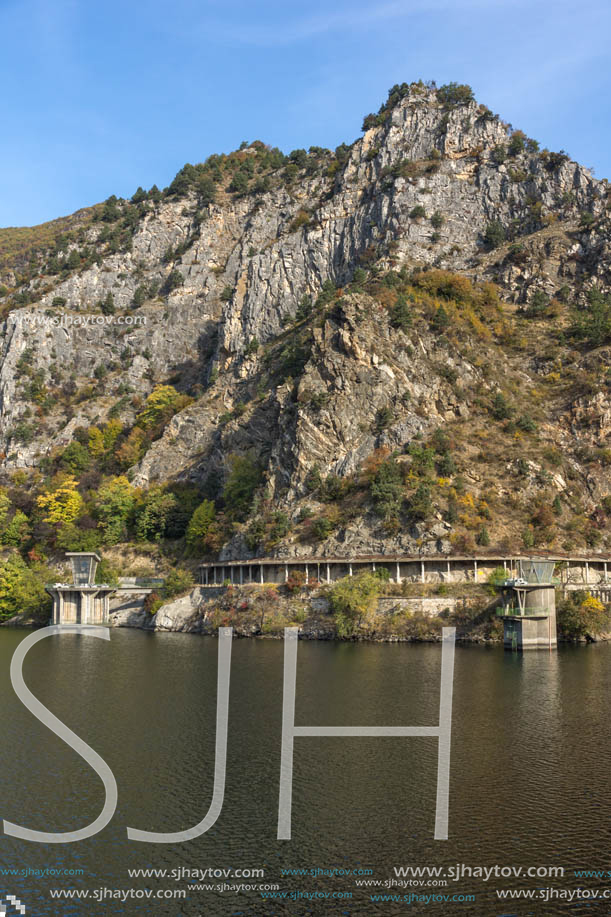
(531, 757)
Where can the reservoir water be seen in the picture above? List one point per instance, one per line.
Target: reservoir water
(529, 784)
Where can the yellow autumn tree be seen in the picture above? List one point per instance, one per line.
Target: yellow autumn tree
(102, 440)
(5, 505)
(163, 402)
(96, 442)
(62, 504)
(110, 433)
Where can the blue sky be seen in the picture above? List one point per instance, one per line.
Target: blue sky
(99, 98)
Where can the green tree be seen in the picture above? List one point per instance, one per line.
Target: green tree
(451, 94)
(446, 465)
(384, 418)
(423, 459)
(182, 181)
(73, 538)
(592, 325)
(386, 489)
(499, 154)
(75, 457)
(206, 190)
(115, 503)
(517, 144)
(199, 524)
(420, 504)
(239, 183)
(537, 305)
(440, 320)
(401, 314)
(74, 260)
(108, 304)
(17, 531)
(322, 527)
(173, 280)
(106, 573)
(154, 514)
(494, 234)
(240, 486)
(497, 577)
(528, 537)
(22, 589)
(501, 409)
(177, 581)
(483, 538)
(354, 601)
(139, 296)
(110, 211)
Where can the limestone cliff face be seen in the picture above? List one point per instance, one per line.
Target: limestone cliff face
(247, 264)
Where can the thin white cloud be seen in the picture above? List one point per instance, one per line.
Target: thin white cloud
(349, 18)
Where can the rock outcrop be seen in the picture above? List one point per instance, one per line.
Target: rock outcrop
(431, 186)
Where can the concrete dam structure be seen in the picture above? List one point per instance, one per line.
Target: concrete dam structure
(83, 601)
(529, 617)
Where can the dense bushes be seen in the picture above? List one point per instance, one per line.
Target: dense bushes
(244, 477)
(580, 616)
(199, 525)
(494, 235)
(592, 324)
(401, 314)
(353, 600)
(176, 582)
(453, 94)
(22, 589)
(386, 489)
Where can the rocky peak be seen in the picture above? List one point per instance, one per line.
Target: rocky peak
(317, 309)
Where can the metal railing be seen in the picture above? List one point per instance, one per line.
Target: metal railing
(514, 611)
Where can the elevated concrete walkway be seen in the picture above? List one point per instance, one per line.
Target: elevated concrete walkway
(575, 572)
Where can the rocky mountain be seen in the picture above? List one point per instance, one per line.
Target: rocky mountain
(399, 345)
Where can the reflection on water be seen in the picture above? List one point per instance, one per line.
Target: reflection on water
(529, 774)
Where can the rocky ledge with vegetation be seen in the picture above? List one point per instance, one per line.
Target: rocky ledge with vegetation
(400, 345)
(365, 607)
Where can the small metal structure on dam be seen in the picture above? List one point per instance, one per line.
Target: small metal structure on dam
(529, 621)
(83, 601)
